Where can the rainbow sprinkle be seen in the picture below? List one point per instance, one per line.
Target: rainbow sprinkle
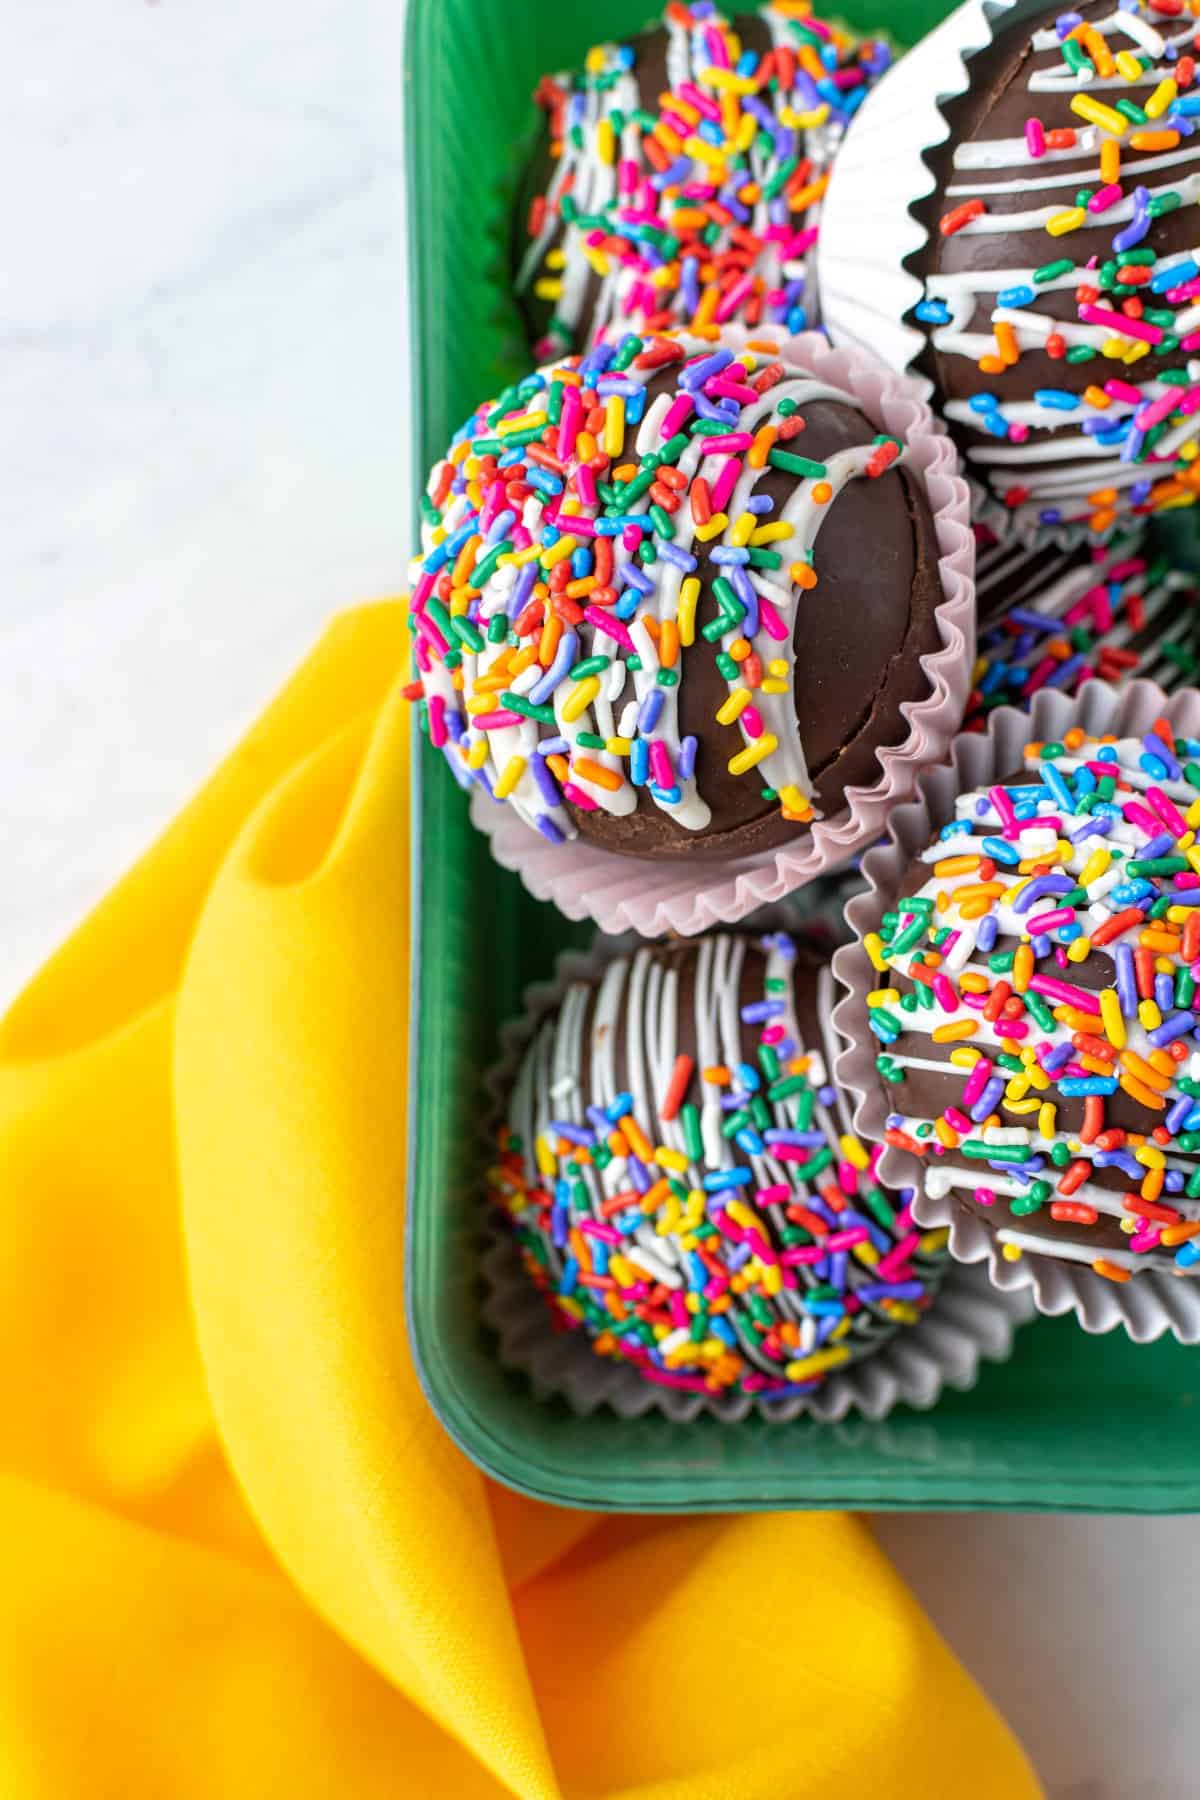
(590, 534)
(716, 1223)
(1110, 430)
(1110, 613)
(699, 205)
(1050, 963)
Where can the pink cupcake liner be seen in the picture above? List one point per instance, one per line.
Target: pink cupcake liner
(623, 893)
(969, 1323)
(1153, 1303)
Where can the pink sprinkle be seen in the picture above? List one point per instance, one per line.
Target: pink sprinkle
(673, 122)
(957, 1120)
(574, 794)
(585, 486)
(944, 994)
(1190, 880)
(725, 482)
(660, 764)
(627, 176)
(1004, 807)
(715, 41)
(1011, 1028)
(1035, 137)
(1189, 343)
(1018, 433)
(703, 103)
(986, 1196)
(631, 538)
(608, 1234)
(1135, 328)
(808, 1253)
(1064, 993)
(1168, 813)
(611, 627)
(1123, 390)
(1187, 290)
(778, 1194)
(790, 1153)
(733, 299)
(771, 622)
(732, 445)
(695, 1384)
(772, 1034)
(977, 1080)
(427, 629)
(848, 1178)
(732, 390)
(1148, 416)
(425, 586)
(496, 721)
(568, 425)
(1147, 1239)
(680, 1317)
(1050, 921)
(846, 1240)
(676, 415)
(1105, 197)
(1141, 815)
(437, 721)
(751, 722)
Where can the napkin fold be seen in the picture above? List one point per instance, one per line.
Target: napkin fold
(238, 1556)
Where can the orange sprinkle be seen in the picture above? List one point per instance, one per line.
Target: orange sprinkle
(596, 773)
(716, 1073)
(668, 643)
(637, 1140)
(1006, 343)
(1110, 1271)
(822, 493)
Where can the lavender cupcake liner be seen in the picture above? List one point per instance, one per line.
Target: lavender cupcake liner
(969, 1322)
(686, 895)
(1153, 1303)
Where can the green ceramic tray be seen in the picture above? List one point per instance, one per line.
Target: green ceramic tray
(1070, 1422)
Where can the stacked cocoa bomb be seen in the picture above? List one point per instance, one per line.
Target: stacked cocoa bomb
(696, 609)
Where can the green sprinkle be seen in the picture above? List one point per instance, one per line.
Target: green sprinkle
(1050, 271)
(693, 1143)
(519, 704)
(667, 678)
(979, 1151)
(497, 629)
(797, 465)
(591, 665)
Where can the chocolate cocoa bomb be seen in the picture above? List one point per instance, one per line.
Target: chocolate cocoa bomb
(661, 192)
(1041, 1051)
(1059, 279)
(672, 602)
(674, 1150)
(1057, 616)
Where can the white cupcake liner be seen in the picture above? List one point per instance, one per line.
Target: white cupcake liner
(969, 1321)
(686, 894)
(1152, 1303)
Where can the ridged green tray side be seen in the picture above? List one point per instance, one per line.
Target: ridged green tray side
(1070, 1422)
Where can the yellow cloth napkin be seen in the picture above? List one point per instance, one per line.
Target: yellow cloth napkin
(238, 1557)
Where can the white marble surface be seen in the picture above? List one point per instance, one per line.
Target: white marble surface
(202, 396)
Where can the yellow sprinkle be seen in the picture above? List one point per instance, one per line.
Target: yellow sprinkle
(477, 755)
(523, 421)
(753, 754)
(1110, 1014)
(773, 533)
(727, 81)
(880, 997)
(1149, 1017)
(1096, 113)
(559, 552)
(1161, 99)
(965, 1058)
(544, 1156)
(1070, 220)
(577, 703)
(1080, 950)
(614, 425)
(1017, 1088)
(733, 706)
(1046, 1117)
(1150, 1157)
(512, 772)
(873, 945)
(556, 259)
(606, 141)
(1010, 1253)
(774, 687)
(714, 528)
(816, 1364)
(1021, 1107)
(794, 803)
(853, 1152)
(548, 287)
(741, 530)
(685, 615)
(1128, 65)
(1097, 863)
